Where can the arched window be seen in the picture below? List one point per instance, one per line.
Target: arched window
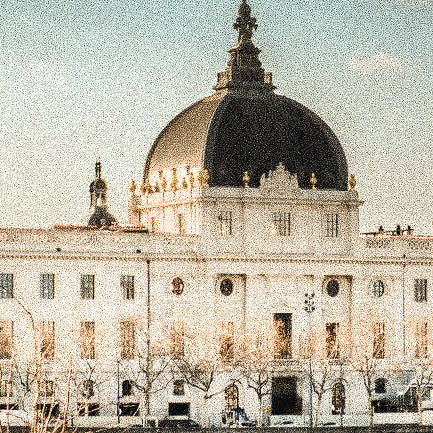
(231, 397)
(338, 399)
(380, 386)
(127, 388)
(333, 288)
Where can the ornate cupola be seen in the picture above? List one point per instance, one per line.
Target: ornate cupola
(244, 66)
(99, 215)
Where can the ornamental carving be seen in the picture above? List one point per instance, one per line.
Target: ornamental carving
(279, 180)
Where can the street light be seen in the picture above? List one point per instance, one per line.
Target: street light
(309, 307)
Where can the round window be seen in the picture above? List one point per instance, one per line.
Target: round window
(377, 288)
(226, 287)
(332, 288)
(177, 285)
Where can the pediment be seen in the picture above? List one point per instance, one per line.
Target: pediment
(279, 181)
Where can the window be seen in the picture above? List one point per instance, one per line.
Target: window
(283, 335)
(281, 224)
(6, 388)
(127, 338)
(332, 288)
(338, 399)
(225, 223)
(231, 394)
(377, 288)
(379, 340)
(181, 224)
(421, 290)
(47, 340)
(47, 286)
(332, 340)
(227, 341)
(87, 388)
(6, 286)
(380, 386)
(331, 225)
(177, 343)
(87, 287)
(47, 388)
(179, 387)
(129, 409)
(421, 340)
(87, 340)
(177, 286)
(6, 339)
(127, 387)
(127, 285)
(90, 409)
(226, 287)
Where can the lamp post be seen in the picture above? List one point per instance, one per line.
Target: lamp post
(309, 307)
(118, 392)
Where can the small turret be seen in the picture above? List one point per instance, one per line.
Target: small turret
(99, 215)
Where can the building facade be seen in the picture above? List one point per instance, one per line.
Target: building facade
(241, 264)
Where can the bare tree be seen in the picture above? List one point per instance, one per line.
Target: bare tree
(204, 355)
(256, 362)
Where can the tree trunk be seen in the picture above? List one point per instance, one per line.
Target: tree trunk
(146, 408)
(260, 417)
(317, 415)
(419, 404)
(371, 411)
(204, 421)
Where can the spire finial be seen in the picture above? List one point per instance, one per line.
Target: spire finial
(98, 168)
(245, 23)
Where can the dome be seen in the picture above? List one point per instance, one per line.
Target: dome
(244, 125)
(230, 133)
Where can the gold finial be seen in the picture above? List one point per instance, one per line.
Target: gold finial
(352, 182)
(174, 181)
(163, 184)
(191, 180)
(246, 179)
(133, 187)
(313, 181)
(146, 187)
(203, 177)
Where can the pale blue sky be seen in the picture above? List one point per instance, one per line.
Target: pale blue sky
(85, 79)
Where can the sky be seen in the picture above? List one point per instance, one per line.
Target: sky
(87, 79)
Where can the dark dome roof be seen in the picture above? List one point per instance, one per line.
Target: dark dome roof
(101, 217)
(233, 131)
(98, 184)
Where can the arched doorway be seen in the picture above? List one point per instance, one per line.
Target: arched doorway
(338, 399)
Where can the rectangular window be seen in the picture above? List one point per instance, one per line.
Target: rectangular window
(177, 340)
(181, 224)
(47, 388)
(127, 285)
(227, 341)
(87, 340)
(420, 290)
(6, 388)
(332, 340)
(6, 339)
(179, 387)
(225, 223)
(87, 287)
(127, 339)
(47, 340)
(47, 286)
(421, 346)
(281, 224)
(283, 335)
(331, 225)
(379, 340)
(6, 286)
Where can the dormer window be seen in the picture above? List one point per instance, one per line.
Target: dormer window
(225, 223)
(281, 224)
(331, 225)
